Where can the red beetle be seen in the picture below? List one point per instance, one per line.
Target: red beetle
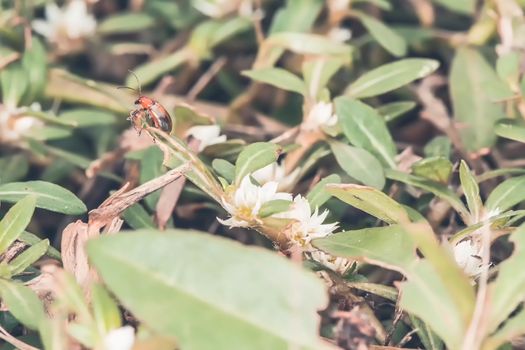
(150, 110)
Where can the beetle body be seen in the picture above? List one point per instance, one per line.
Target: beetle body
(153, 112)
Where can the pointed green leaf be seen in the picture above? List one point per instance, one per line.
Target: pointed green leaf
(365, 128)
(277, 77)
(391, 76)
(28, 257)
(359, 164)
(510, 129)
(470, 77)
(15, 221)
(392, 110)
(23, 303)
(371, 201)
(318, 195)
(471, 191)
(388, 246)
(386, 37)
(105, 310)
(507, 194)
(48, 196)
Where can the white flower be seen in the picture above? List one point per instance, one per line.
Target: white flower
(14, 124)
(306, 225)
(120, 339)
(271, 172)
(336, 264)
(340, 34)
(321, 114)
(206, 134)
(246, 201)
(70, 23)
(467, 256)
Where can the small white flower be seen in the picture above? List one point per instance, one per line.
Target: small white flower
(336, 264)
(467, 256)
(14, 124)
(72, 22)
(271, 172)
(246, 201)
(306, 225)
(207, 135)
(120, 339)
(321, 114)
(340, 34)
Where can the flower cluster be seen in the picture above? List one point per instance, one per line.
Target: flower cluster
(244, 204)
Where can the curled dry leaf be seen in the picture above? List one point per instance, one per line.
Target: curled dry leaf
(74, 257)
(121, 200)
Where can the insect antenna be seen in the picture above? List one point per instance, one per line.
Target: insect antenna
(139, 90)
(138, 81)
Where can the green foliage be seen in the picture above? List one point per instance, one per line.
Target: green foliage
(381, 143)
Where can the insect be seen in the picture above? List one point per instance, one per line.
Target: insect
(148, 110)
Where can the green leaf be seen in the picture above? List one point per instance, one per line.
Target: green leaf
(507, 194)
(253, 157)
(32, 239)
(391, 76)
(426, 335)
(85, 117)
(318, 71)
(436, 169)
(359, 164)
(466, 7)
(318, 195)
(46, 133)
(28, 257)
(247, 291)
(48, 196)
(14, 83)
(126, 23)
(439, 146)
(365, 128)
(273, 207)
(386, 37)
(296, 16)
(22, 303)
(211, 33)
(425, 296)
(15, 221)
(392, 110)
(388, 246)
(224, 169)
(105, 310)
(137, 217)
(308, 44)
(34, 64)
(277, 77)
(437, 189)
(511, 329)
(150, 168)
(152, 70)
(510, 129)
(471, 191)
(13, 167)
(508, 67)
(470, 76)
(508, 290)
(371, 201)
